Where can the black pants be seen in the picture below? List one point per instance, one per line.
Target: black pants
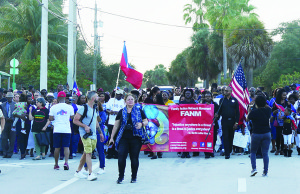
(279, 139)
(111, 151)
(228, 134)
(23, 138)
(8, 134)
(133, 147)
(50, 129)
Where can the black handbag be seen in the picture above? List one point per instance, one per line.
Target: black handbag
(145, 138)
(43, 138)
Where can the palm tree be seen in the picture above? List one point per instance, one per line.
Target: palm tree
(196, 14)
(254, 43)
(220, 13)
(20, 33)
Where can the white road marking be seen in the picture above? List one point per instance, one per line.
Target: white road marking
(242, 185)
(65, 184)
(21, 164)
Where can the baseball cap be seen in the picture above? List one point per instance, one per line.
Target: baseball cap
(50, 94)
(119, 92)
(61, 94)
(9, 95)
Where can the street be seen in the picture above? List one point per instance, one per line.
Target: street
(170, 174)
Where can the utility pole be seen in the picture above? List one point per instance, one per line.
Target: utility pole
(44, 47)
(95, 47)
(72, 43)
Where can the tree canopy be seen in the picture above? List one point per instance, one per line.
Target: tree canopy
(20, 33)
(157, 76)
(29, 73)
(284, 58)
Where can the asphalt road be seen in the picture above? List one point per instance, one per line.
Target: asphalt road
(167, 175)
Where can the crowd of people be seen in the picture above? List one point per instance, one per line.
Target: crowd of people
(110, 123)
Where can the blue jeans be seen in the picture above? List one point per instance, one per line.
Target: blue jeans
(100, 149)
(1, 150)
(75, 141)
(263, 141)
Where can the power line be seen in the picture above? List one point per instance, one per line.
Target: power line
(56, 8)
(179, 26)
(144, 43)
(81, 30)
(54, 14)
(65, 19)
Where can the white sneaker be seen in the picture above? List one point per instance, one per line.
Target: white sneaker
(101, 171)
(80, 175)
(74, 155)
(91, 177)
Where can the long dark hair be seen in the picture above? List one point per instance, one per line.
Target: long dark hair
(279, 95)
(159, 99)
(79, 101)
(100, 107)
(153, 91)
(106, 96)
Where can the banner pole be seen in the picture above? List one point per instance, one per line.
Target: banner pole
(116, 87)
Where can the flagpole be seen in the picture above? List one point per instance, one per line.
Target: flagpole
(117, 84)
(118, 77)
(118, 74)
(236, 69)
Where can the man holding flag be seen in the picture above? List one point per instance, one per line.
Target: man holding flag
(229, 110)
(233, 108)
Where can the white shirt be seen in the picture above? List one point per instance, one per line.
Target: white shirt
(114, 105)
(297, 104)
(61, 113)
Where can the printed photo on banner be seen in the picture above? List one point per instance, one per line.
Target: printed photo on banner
(157, 128)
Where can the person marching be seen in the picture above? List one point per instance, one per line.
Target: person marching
(60, 114)
(208, 99)
(261, 132)
(287, 132)
(188, 99)
(229, 110)
(87, 130)
(129, 122)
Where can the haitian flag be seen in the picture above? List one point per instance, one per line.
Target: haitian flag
(132, 76)
(75, 89)
(293, 122)
(280, 107)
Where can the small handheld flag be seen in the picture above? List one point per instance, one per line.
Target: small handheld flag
(75, 89)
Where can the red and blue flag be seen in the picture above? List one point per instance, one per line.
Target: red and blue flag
(132, 76)
(75, 89)
(280, 107)
(293, 122)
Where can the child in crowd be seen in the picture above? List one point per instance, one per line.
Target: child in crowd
(287, 132)
(20, 109)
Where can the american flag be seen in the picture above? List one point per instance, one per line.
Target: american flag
(240, 92)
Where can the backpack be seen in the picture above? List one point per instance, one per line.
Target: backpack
(76, 127)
